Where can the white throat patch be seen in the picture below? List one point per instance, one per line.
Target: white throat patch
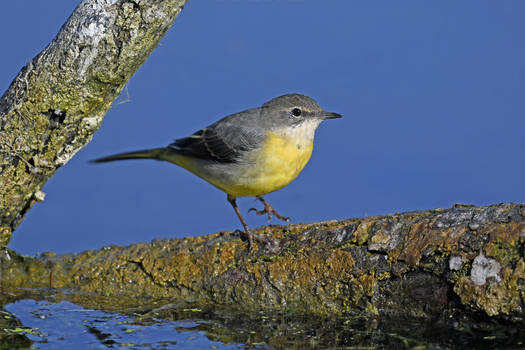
(303, 132)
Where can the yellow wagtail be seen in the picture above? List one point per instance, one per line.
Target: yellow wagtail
(250, 153)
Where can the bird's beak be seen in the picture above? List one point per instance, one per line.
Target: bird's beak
(331, 115)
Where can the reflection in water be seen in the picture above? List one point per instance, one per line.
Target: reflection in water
(55, 323)
(68, 326)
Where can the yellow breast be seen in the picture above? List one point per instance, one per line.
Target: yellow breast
(281, 157)
(279, 161)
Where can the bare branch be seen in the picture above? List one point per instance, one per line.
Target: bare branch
(58, 100)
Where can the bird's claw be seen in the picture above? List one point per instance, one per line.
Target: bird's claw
(250, 238)
(258, 212)
(270, 211)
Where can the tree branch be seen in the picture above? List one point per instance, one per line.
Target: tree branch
(58, 100)
(436, 263)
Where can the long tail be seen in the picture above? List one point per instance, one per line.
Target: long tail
(154, 153)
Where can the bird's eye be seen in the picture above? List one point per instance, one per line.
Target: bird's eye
(296, 112)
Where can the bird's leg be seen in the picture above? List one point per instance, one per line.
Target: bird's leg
(268, 210)
(250, 236)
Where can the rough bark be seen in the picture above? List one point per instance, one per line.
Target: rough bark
(458, 261)
(58, 100)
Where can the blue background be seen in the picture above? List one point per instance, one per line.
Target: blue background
(432, 94)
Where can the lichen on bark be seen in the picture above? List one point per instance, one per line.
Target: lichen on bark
(423, 264)
(58, 100)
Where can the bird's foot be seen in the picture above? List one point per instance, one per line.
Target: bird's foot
(250, 237)
(268, 244)
(269, 210)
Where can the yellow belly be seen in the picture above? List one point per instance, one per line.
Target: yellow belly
(277, 164)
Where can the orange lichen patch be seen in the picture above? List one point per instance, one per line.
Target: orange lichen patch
(316, 279)
(511, 232)
(380, 238)
(363, 230)
(283, 273)
(340, 262)
(335, 224)
(496, 298)
(384, 276)
(226, 254)
(505, 241)
(185, 267)
(354, 292)
(301, 227)
(364, 285)
(279, 232)
(422, 237)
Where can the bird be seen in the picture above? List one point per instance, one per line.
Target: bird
(247, 154)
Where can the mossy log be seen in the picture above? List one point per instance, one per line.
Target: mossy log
(426, 264)
(58, 100)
